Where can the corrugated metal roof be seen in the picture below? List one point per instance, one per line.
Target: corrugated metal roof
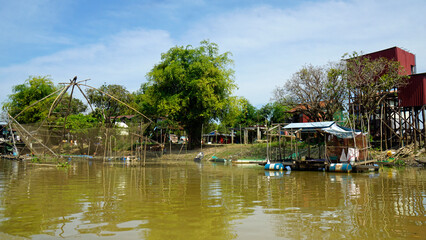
(309, 125)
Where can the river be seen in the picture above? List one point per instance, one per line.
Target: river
(189, 200)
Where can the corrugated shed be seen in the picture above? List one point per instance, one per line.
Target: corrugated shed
(413, 94)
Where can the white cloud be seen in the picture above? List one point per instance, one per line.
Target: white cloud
(122, 59)
(269, 44)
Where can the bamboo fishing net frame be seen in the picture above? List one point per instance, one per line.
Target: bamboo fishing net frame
(46, 138)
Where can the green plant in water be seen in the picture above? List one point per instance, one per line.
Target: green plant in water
(35, 160)
(63, 164)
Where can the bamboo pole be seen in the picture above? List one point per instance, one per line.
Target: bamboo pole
(424, 126)
(106, 144)
(144, 153)
(29, 134)
(13, 140)
(415, 127)
(381, 127)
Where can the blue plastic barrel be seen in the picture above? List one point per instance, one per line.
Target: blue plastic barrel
(274, 166)
(340, 167)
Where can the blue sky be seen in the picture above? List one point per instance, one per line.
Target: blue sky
(118, 42)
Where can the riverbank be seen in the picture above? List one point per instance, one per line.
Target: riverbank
(406, 155)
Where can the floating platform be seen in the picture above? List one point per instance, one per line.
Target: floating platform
(249, 161)
(323, 165)
(12, 157)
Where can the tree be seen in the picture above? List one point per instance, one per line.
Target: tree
(28, 93)
(81, 127)
(317, 92)
(108, 106)
(191, 86)
(274, 112)
(247, 113)
(370, 81)
(65, 107)
(32, 101)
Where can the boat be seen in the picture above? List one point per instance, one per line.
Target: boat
(199, 157)
(216, 159)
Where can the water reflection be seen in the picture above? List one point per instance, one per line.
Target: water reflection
(209, 201)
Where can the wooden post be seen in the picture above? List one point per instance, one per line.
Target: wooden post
(424, 126)
(386, 130)
(259, 135)
(232, 136)
(201, 142)
(415, 126)
(279, 140)
(240, 135)
(381, 127)
(405, 130)
(106, 144)
(401, 140)
(144, 152)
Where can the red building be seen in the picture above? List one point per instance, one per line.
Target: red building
(413, 94)
(406, 59)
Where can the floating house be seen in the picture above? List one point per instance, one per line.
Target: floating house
(344, 148)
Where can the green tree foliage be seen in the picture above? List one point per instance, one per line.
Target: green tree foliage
(108, 107)
(65, 107)
(274, 112)
(81, 128)
(24, 95)
(190, 86)
(247, 113)
(32, 92)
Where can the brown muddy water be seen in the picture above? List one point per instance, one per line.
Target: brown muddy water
(188, 200)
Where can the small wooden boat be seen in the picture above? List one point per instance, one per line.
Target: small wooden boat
(216, 159)
(365, 168)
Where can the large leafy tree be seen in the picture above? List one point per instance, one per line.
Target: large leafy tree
(191, 86)
(239, 111)
(30, 92)
(317, 92)
(30, 102)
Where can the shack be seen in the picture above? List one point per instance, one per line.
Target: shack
(341, 144)
(215, 137)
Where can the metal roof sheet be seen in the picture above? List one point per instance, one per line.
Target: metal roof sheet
(309, 125)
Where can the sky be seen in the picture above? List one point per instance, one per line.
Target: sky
(119, 42)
